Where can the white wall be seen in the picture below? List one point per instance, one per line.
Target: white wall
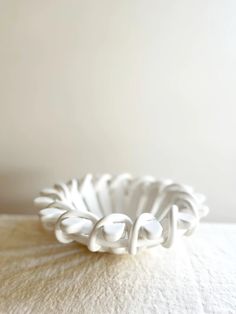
(110, 86)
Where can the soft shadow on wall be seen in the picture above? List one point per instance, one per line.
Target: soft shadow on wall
(16, 190)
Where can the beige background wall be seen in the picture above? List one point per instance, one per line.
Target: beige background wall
(111, 86)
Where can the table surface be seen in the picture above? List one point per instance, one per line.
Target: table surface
(39, 275)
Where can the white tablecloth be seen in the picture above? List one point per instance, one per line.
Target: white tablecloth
(39, 275)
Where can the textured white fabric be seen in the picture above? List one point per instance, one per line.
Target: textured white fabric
(39, 275)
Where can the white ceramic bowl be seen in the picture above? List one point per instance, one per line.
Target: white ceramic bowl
(120, 214)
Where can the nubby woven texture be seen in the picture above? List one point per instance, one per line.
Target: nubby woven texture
(120, 214)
